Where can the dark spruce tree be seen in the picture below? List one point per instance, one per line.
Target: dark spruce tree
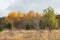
(9, 26)
(1, 28)
(27, 27)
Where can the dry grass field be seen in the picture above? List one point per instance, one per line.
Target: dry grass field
(30, 35)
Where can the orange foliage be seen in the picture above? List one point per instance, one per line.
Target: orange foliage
(37, 15)
(6, 19)
(12, 14)
(25, 16)
(19, 14)
(29, 15)
(16, 16)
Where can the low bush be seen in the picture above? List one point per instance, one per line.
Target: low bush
(9, 26)
(27, 27)
(1, 29)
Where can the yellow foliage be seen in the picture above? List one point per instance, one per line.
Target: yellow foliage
(12, 14)
(19, 14)
(6, 19)
(29, 15)
(37, 15)
(25, 16)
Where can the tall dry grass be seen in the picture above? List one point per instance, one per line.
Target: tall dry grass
(30, 35)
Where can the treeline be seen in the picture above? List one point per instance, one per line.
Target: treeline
(31, 20)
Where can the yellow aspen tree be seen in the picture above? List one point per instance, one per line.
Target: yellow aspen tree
(19, 14)
(12, 14)
(37, 15)
(6, 19)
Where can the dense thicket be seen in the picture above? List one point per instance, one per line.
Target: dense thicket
(31, 20)
(49, 19)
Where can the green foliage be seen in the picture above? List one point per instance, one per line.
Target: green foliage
(27, 27)
(1, 19)
(58, 16)
(41, 24)
(49, 19)
(1, 29)
(9, 26)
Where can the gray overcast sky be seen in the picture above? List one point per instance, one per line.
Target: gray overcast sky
(26, 5)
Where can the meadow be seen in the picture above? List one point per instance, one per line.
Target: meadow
(30, 26)
(30, 35)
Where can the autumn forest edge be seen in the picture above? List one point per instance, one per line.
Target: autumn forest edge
(31, 20)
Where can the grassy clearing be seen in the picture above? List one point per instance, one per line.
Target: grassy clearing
(30, 35)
